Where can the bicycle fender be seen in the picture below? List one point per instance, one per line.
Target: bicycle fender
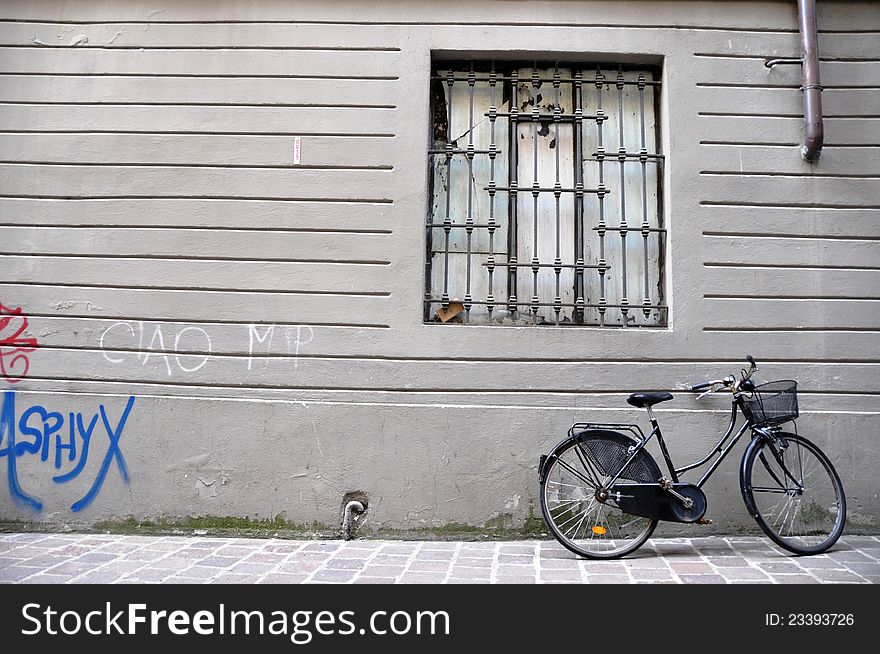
(545, 459)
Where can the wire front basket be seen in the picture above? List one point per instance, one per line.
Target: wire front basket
(772, 403)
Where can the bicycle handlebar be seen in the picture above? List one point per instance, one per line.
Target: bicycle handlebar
(730, 380)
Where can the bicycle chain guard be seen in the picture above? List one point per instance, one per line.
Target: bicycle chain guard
(652, 501)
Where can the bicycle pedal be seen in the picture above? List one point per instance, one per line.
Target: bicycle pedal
(704, 521)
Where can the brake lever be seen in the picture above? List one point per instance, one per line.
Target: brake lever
(705, 393)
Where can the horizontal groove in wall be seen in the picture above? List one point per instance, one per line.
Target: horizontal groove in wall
(736, 173)
(177, 321)
(712, 361)
(286, 135)
(792, 205)
(36, 73)
(784, 266)
(229, 48)
(570, 25)
(153, 164)
(202, 228)
(736, 114)
(184, 257)
(789, 237)
(759, 144)
(762, 58)
(197, 197)
(784, 87)
(792, 330)
(797, 298)
(241, 105)
(200, 289)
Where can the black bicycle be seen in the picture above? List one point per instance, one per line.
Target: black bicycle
(602, 493)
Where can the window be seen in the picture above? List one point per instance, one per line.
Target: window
(545, 204)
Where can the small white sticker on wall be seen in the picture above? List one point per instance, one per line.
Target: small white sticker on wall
(297, 149)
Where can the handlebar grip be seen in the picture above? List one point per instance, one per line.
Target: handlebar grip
(699, 387)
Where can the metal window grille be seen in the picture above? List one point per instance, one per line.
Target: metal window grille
(545, 196)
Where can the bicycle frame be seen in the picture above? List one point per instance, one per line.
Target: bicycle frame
(674, 472)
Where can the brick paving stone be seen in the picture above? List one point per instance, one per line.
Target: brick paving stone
(653, 562)
(478, 546)
(233, 578)
(702, 579)
(744, 574)
(837, 575)
(435, 555)
(728, 561)
(603, 567)
(46, 579)
(471, 573)
(282, 548)
(509, 570)
(848, 556)
(650, 573)
(518, 579)
(280, 578)
(397, 548)
(374, 580)
(200, 572)
(780, 567)
(172, 563)
(246, 567)
(476, 554)
(423, 577)
(96, 557)
(438, 545)
(71, 568)
(99, 577)
(515, 558)
(430, 566)
(559, 575)
(383, 570)
(219, 561)
(795, 579)
(690, 568)
(345, 564)
(334, 575)
(321, 547)
(298, 567)
(390, 559)
(177, 579)
(517, 549)
(124, 566)
(813, 562)
(145, 555)
(559, 564)
(864, 569)
(149, 574)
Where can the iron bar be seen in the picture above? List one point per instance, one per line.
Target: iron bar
(578, 170)
(447, 220)
(490, 298)
(646, 227)
(513, 77)
(600, 156)
(535, 186)
(623, 229)
(512, 182)
(470, 194)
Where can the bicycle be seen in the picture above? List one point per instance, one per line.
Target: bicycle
(602, 493)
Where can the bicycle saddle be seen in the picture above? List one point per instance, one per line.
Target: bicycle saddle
(648, 399)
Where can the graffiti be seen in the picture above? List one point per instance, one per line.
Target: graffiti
(293, 337)
(31, 434)
(14, 347)
(190, 348)
(127, 334)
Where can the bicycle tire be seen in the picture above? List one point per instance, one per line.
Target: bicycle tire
(563, 496)
(777, 504)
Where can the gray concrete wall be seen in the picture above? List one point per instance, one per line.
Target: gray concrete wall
(267, 318)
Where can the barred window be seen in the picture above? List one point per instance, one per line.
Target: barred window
(545, 205)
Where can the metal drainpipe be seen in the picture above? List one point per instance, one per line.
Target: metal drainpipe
(814, 130)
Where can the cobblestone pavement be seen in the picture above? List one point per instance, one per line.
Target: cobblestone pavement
(88, 558)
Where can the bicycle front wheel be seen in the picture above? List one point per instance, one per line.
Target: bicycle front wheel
(794, 493)
(583, 524)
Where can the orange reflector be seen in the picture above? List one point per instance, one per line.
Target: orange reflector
(600, 531)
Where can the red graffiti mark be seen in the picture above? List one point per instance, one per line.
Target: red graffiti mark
(14, 348)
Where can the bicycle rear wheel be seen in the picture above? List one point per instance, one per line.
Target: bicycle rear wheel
(575, 471)
(794, 493)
